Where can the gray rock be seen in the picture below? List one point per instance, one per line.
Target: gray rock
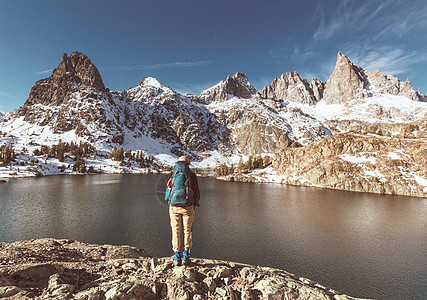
(184, 273)
(210, 284)
(8, 291)
(236, 85)
(347, 82)
(290, 87)
(222, 292)
(129, 291)
(324, 164)
(205, 279)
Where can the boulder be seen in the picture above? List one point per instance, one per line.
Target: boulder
(141, 277)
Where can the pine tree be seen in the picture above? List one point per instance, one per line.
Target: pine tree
(60, 151)
(79, 166)
(240, 166)
(249, 163)
(267, 161)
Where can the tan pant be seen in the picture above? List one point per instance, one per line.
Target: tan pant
(181, 218)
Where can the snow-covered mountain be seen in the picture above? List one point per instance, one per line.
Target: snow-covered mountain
(225, 122)
(349, 82)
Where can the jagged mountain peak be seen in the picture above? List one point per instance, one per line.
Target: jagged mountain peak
(237, 85)
(150, 89)
(347, 82)
(82, 68)
(151, 81)
(290, 74)
(343, 59)
(238, 76)
(290, 87)
(73, 74)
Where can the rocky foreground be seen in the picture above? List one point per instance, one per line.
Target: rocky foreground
(68, 269)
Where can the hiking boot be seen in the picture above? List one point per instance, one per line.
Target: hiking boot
(186, 257)
(176, 258)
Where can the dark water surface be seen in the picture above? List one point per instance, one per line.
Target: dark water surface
(364, 245)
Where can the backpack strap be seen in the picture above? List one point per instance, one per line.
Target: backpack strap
(172, 185)
(187, 185)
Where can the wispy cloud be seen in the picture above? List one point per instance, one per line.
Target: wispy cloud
(410, 16)
(350, 14)
(173, 65)
(44, 72)
(295, 54)
(388, 59)
(3, 94)
(375, 18)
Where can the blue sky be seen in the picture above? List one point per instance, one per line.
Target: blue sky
(191, 45)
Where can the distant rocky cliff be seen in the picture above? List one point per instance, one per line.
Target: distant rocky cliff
(349, 82)
(234, 86)
(361, 163)
(290, 87)
(68, 269)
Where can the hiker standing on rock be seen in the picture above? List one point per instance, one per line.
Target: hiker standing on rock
(182, 193)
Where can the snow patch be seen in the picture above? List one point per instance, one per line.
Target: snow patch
(394, 155)
(384, 108)
(420, 180)
(150, 81)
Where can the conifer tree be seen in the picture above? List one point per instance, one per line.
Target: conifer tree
(79, 166)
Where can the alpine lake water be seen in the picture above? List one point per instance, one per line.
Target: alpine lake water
(364, 245)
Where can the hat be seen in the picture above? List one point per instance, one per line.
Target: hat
(184, 158)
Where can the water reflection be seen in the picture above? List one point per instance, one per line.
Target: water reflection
(361, 244)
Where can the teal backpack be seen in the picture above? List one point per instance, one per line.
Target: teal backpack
(180, 193)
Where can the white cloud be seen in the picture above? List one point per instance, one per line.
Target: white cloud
(44, 72)
(376, 19)
(346, 16)
(388, 59)
(173, 65)
(7, 95)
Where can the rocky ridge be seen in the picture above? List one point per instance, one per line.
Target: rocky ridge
(291, 87)
(74, 100)
(228, 121)
(64, 269)
(361, 163)
(237, 85)
(349, 81)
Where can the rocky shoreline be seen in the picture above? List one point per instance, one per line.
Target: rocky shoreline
(350, 162)
(68, 269)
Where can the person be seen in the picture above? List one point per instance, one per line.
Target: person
(182, 193)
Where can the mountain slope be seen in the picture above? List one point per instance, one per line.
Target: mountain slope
(358, 163)
(237, 86)
(227, 122)
(349, 82)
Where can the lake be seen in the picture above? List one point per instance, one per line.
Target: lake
(364, 245)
